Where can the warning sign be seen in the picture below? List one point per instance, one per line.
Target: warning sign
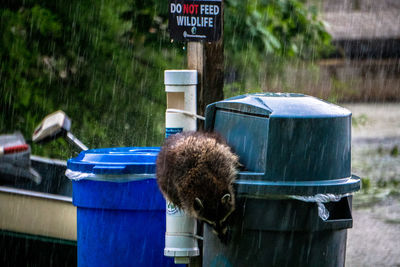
(195, 20)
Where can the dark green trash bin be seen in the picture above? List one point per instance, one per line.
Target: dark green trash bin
(294, 194)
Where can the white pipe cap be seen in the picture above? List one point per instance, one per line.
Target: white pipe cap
(180, 77)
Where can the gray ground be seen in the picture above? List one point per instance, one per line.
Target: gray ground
(374, 239)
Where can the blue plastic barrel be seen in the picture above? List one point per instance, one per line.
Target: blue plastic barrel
(120, 210)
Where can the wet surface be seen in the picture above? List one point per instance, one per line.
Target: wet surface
(374, 238)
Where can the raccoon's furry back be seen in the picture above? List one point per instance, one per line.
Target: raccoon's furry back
(195, 164)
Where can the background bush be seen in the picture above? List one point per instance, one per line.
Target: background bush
(102, 62)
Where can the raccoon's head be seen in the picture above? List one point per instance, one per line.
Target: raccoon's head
(216, 214)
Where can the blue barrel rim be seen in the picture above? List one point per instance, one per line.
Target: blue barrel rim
(116, 161)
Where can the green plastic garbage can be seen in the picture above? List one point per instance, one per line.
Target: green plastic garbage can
(294, 192)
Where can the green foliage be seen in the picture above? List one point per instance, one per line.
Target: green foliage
(22, 77)
(360, 120)
(102, 62)
(261, 37)
(283, 27)
(365, 183)
(394, 152)
(74, 56)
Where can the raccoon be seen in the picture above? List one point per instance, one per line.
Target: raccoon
(195, 171)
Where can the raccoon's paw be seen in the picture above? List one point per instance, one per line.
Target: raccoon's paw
(226, 236)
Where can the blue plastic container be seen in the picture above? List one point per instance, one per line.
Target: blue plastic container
(120, 210)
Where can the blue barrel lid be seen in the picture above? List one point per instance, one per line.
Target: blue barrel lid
(116, 161)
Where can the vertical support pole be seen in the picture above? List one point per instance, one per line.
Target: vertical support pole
(196, 61)
(214, 69)
(213, 74)
(208, 60)
(180, 86)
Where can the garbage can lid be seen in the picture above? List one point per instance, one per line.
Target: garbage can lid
(282, 105)
(116, 161)
(120, 178)
(289, 143)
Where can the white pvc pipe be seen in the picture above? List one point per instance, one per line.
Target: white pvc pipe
(181, 81)
(181, 115)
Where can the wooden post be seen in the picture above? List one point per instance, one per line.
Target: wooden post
(213, 73)
(208, 60)
(196, 61)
